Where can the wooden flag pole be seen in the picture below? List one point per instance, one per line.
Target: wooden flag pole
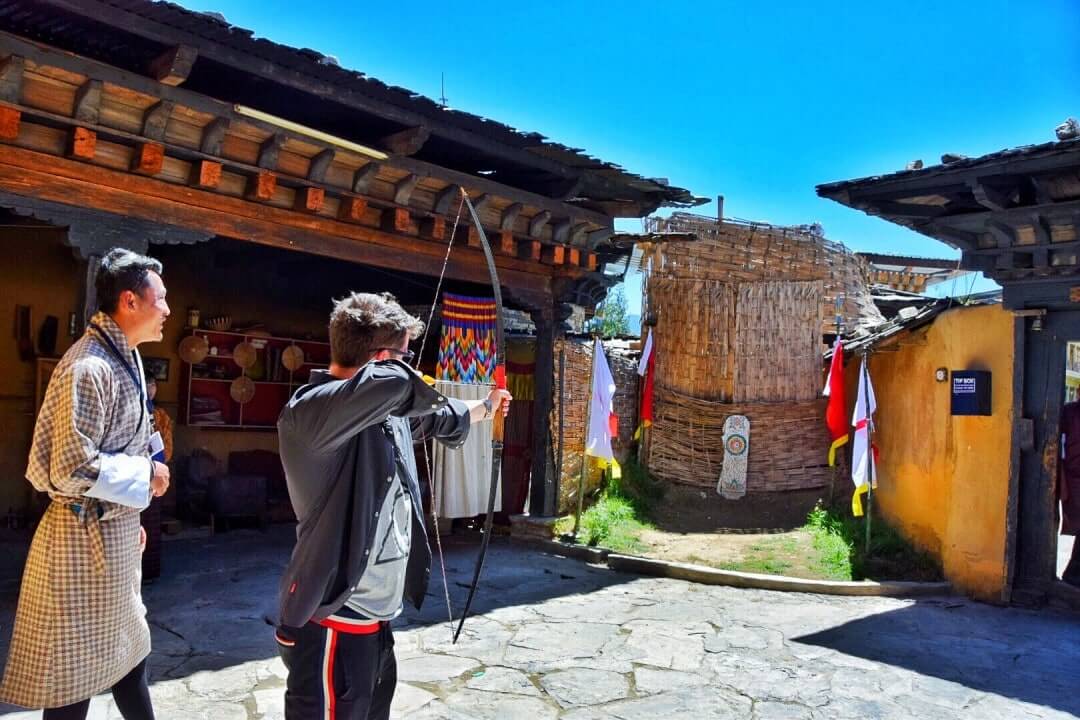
(585, 445)
(869, 447)
(839, 327)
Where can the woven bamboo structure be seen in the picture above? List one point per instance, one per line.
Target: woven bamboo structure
(739, 317)
(735, 251)
(576, 395)
(788, 442)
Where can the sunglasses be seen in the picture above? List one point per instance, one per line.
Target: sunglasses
(405, 356)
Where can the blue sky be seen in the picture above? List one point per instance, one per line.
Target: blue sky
(757, 101)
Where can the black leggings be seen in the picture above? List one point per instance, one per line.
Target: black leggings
(131, 695)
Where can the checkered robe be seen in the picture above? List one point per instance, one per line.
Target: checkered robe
(81, 625)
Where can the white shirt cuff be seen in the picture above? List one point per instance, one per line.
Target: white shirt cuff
(124, 480)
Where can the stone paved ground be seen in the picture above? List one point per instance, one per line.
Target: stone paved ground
(558, 639)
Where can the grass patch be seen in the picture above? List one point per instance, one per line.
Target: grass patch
(619, 514)
(840, 540)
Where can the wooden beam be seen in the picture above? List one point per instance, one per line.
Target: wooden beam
(560, 231)
(577, 233)
(1042, 195)
(403, 189)
(310, 199)
(262, 186)
(596, 237)
(1005, 235)
(976, 222)
(149, 158)
(407, 141)
(553, 255)
(156, 119)
(173, 66)
(318, 166)
(1040, 253)
(155, 200)
(447, 199)
(568, 189)
(363, 178)
(434, 227)
(890, 208)
(532, 250)
(509, 215)
(481, 202)
(537, 223)
(478, 183)
(233, 54)
(507, 243)
(213, 135)
(11, 79)
(352, 209)
(44, 55)
(989, 197)
(206, 174)
(10, 119)
(83, 144)
(398, 220)
(87, 106)
(270, 150)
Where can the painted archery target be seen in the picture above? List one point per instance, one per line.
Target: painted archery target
(732, 485)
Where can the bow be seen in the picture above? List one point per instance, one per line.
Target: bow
(496, 420)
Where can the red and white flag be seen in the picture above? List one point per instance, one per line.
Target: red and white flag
(645, 369)
(603, 422)
(836, 412)
(863, 458)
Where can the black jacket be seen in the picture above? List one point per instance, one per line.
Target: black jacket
(343, 443)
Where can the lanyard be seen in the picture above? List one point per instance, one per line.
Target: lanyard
(144, 401)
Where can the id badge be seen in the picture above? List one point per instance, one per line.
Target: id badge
(157, 447)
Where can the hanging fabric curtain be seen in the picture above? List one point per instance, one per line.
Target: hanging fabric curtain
(467, 345)
(462, 475)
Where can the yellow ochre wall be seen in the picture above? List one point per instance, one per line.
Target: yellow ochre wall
(38, 270)
(944, 480)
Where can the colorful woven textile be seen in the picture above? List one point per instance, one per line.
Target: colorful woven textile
(468, 344)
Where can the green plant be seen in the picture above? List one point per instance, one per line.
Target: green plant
(621, 510)
(840, 538)
(610, 319)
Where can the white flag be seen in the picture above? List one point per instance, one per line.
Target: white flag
(862, 459)
(643, 363)
(603, 422)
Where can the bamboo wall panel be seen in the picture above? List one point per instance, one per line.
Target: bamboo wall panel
(697, 334)
(731, 251)
(575, 399)
(777, 351)
(789, 443)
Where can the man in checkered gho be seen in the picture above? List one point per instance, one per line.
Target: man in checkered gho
(80, 627)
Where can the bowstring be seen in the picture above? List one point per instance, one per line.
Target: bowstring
(423, 438)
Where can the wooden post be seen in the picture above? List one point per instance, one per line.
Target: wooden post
(544, 489)
(585, 446)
